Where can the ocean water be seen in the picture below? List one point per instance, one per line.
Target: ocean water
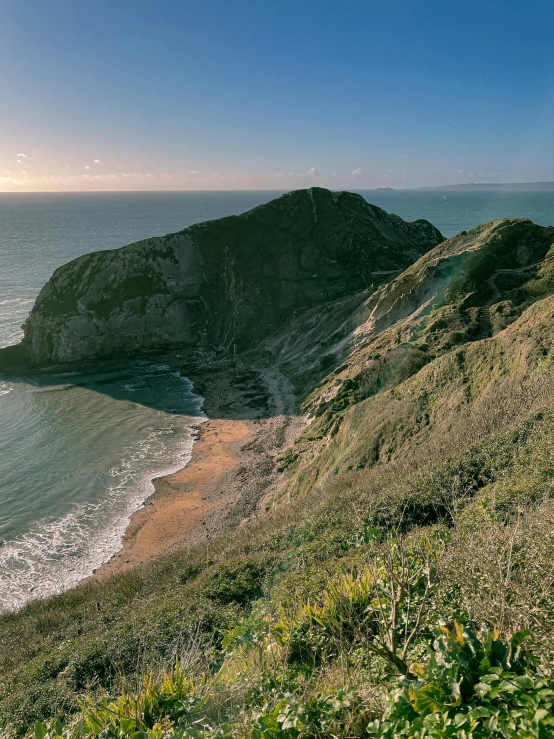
(77, 456)
(78, 451)
(454, 211)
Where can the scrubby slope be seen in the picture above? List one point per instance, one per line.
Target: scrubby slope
(426, 323)
(420, 492)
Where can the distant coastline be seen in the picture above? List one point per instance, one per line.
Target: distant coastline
(475, 186)
(511, 186)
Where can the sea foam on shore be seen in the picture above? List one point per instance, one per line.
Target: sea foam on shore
(98, 440)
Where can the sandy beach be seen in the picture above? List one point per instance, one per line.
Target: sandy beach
(181, 500)
(231, 470)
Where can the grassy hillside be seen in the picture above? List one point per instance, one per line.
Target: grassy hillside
(402, 582)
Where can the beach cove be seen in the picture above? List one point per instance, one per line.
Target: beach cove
(232, 470)
(67, 493)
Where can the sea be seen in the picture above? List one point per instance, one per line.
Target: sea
(79, 450)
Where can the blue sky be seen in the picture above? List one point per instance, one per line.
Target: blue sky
(213, 94)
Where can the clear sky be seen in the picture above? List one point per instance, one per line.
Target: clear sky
(274, 94)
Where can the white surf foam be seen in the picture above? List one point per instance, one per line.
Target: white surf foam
(57, 553)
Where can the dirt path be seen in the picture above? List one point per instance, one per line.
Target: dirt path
(485, 324)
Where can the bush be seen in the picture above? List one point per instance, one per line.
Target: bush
(153, 710)
(472, 687)
(381, 608)
(318, 716)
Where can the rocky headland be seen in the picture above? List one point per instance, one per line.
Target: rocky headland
(228, 283)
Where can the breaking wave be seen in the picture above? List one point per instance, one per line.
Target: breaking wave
(56, 552)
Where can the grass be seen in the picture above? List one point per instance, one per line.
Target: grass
(402, 586)
(493, 563)
(327, 666)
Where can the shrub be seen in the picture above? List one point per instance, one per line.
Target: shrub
(318, 716)
(152, 710)
(382, 608)
(472, 686)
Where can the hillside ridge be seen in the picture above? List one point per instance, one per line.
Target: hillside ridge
(229, 282)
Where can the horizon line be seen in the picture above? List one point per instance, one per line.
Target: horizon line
(492, 185)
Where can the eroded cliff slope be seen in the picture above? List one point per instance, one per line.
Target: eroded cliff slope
(229, 282)
(399, 366)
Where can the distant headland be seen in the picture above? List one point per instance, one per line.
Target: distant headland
(532, 186)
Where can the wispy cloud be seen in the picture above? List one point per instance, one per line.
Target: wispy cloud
(292, 174)
(358, 172)
(22, 155)
(97, 161)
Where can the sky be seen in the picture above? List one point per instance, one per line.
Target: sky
(274, 94)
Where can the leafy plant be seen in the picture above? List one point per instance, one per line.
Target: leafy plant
(157, 706)
(472, 687)
(382, 607)
(318, 716)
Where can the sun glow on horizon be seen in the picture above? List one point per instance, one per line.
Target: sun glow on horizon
(212, 95)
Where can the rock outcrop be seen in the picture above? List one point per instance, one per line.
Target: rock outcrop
(229, 282)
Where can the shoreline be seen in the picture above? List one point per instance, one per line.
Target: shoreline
(230, 472)
(180, 500)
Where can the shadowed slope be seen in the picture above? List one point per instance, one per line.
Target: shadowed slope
(229, 282)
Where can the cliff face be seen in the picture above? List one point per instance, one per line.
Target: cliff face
(229, 282)
(467, 288)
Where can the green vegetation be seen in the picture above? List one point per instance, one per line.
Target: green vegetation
(320, 619)
(474, 686)
(401, 585)
(324, 669)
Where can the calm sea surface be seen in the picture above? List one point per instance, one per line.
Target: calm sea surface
(78, 451)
